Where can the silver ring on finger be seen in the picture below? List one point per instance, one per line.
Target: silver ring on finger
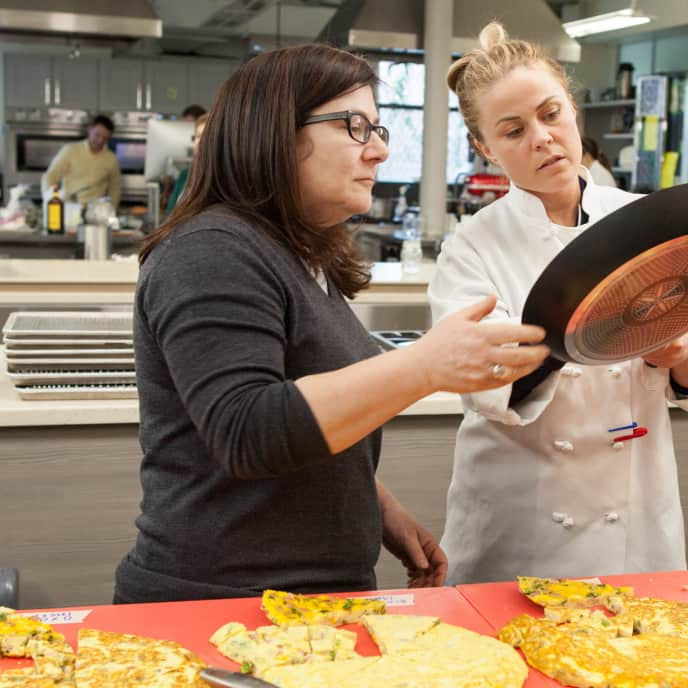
(498, 371)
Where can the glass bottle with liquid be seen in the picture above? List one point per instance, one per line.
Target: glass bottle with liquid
(411, 249)
(55, 215)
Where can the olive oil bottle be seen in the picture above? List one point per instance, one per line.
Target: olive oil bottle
(55, 215)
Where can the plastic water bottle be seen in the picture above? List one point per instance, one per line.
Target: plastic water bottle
(411, 249)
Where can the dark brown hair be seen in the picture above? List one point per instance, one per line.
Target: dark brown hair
(247, 159)
(591, 148)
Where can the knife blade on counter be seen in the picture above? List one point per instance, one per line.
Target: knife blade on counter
(232, 679)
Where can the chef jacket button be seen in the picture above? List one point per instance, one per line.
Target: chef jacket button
(571, 371)
(558, 517)
(563, 445)
(568, 522)
(617, 445)
(611, 517)
(614, 371)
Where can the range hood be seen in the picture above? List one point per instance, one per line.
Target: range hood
(399, 25)
(133, 18)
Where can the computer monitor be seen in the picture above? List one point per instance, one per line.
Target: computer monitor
(167, 141)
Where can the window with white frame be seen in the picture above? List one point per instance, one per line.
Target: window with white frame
(400, 100)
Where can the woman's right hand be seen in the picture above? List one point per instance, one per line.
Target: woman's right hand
(461, 354)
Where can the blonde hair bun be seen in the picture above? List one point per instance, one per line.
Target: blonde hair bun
(491, 35)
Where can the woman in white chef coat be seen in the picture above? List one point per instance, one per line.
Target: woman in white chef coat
(539, 486)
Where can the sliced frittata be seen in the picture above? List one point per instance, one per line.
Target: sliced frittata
(285, 608)
(549, 592)
(271, 646)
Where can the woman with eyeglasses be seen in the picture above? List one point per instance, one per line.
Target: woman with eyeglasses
(261, 393)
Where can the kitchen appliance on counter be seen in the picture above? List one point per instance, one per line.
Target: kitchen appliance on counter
(473, 191)
(33, 136)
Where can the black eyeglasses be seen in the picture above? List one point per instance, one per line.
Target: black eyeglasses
(359, 126)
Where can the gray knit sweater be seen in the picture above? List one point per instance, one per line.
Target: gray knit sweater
(240, 492)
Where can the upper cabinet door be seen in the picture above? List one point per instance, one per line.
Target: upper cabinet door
(205, 79)
(28, 80)
(75, 83)
(167, 87)
(121, 85)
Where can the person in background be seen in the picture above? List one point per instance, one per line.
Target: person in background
(596, 161)
(261, 393)
(183, 174)
(540, 487)
(86, 169)
(192, 112)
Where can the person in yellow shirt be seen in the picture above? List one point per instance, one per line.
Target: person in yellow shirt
(86, 169)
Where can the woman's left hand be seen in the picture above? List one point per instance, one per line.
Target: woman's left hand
(670, 355)
(413, 545)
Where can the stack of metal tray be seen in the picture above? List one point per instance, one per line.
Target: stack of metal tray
(70, 354)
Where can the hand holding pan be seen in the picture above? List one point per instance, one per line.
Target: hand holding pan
(619, 289)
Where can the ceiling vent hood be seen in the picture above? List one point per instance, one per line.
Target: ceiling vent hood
(399, 25)
(133, 19)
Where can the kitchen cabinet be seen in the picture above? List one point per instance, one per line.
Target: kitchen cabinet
(166, 86)
(120, 86)
(44, 81)
(147, 85)
(205, 79)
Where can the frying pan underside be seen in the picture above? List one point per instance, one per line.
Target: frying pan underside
(620, 288)
(637, 308)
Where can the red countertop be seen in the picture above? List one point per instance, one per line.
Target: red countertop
(483, 608)
(192, 623)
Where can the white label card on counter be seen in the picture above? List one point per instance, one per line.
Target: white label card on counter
(405, 600)
(68, 616)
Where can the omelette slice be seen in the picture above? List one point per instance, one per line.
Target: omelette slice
(270, 646)
(574, 655)
(111, 660)
(549, 592)
(656, 660)
(466, 659)
(394, 632)
(17, 630)
(445, 656)
(613, 626)
(649, 615)
(345, 674)
(285, 608)
(586, 657)
(25, 636)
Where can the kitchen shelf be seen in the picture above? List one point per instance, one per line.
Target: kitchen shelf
(624, 135)
(609, 104)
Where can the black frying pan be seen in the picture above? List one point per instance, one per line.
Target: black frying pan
(619, 289)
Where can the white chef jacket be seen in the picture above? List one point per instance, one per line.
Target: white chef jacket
(601, 175)
(541, 488)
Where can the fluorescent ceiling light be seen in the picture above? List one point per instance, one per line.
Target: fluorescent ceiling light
(600, 23)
